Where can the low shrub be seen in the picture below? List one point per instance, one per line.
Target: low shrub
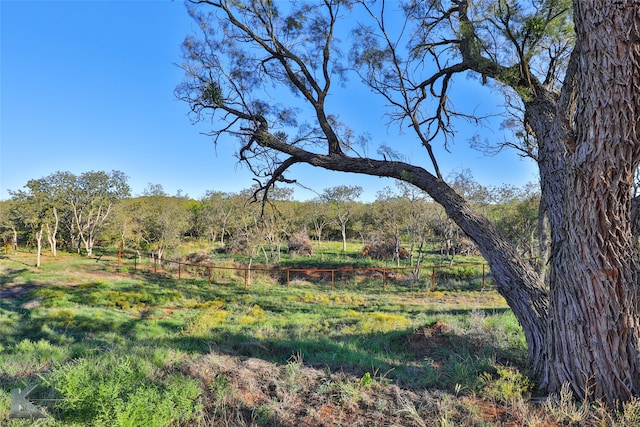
(507, 386)
(387, 249)
(300, 244)
(462, 273)
(122, 390)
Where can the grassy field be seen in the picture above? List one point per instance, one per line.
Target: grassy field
(113, 346)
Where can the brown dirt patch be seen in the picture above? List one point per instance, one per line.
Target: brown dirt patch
(423, 341)
(12, 291)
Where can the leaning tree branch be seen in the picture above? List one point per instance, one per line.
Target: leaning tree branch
(276, 176)
(531, 300)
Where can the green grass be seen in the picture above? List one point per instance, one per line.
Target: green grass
(85, 315)
(107, 347)
(122, 389)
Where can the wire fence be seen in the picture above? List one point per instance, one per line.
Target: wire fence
(464, 275)
(427, 277)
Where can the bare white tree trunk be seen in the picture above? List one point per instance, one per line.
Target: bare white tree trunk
(38, 235)
(52, 232)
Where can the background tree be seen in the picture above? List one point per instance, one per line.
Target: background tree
(8, 224)
(248, 236)
(389, 216)
(92, 196)
(447, 233)
(278, 221)
(417, 209)
(54, 189)
(63, 183)
(515, 213)
(297, 213)
(125, 224)
(318, 215)
(32, 209)
(573, 85)
(194, 214)
(162, 222)
(340, 200)
(214, 215)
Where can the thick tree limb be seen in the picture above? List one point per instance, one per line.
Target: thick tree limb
(515, 279)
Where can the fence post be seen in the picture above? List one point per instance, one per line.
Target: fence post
(155, 264)
(288, 277)
(384, 279)
(433, 278)
(209, 275)
(245, 278)
(333, 279)
(179, 265)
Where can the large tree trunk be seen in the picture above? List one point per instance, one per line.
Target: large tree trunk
(594, 322)
(593, 316)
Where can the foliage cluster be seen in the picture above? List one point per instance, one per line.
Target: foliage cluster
(65, 206)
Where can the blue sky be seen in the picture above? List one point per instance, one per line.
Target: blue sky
(89, 85)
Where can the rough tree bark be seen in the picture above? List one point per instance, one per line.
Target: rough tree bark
(594, 330)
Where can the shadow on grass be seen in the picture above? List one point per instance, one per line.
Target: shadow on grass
(92, 317)
(444, 361)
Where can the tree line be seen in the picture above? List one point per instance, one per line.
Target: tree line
(77, 212)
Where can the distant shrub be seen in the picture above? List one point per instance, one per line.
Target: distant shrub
(385, 250)
(465, 247)
(462, 273)
(197, 258)
(300, 244)
(237, 244)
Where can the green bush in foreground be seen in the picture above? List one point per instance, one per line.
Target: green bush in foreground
(122, 390)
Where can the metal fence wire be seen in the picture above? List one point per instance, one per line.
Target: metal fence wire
(429, 275)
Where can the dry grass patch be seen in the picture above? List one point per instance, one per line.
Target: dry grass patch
(252, 392)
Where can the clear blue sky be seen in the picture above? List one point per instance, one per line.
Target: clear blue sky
(88, 85)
